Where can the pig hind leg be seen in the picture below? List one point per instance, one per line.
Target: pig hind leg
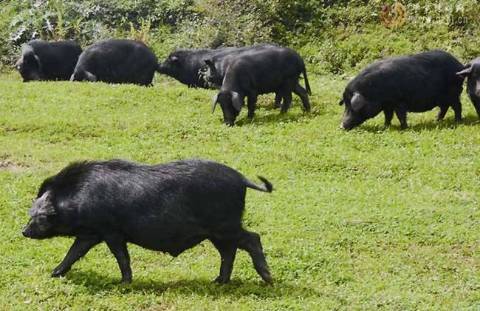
(79, 248)
(442, 112)
(402, 117)
(278, 100)
(227, 250)
(388, 116)
(302, 93)
(452, 99)
(457, 108)
(287, 89)
(287, 102)
(252, 105)
(147, 78)
(250, 242)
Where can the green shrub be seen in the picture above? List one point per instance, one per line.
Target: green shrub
(333, 36)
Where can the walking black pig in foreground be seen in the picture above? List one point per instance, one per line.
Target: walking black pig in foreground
(472, 72)
(117, 61)
(276, 69)
(48, 61)
(169, 207)
(413, 83)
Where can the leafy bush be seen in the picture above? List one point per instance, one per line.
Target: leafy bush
(335, 36)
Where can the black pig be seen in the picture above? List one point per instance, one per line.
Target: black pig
(274, 69)
(185, 64)
(472, 71)
(213, 72)
(48, 61)
(117, 61)
(169, 207)
(188, 65)
(413, 83)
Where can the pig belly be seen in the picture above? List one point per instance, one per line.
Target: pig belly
(169, 240)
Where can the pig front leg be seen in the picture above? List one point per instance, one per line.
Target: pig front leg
(79, 248)
(118, 246)
(287, 102)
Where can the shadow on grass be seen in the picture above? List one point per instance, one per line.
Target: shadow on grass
(96, 283)
(288, 117)
(449, 123)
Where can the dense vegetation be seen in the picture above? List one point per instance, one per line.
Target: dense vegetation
(335, 36)
(370, 219)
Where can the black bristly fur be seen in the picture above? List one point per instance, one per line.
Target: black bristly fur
(49, 61)
(168, 207)
(472, 72)
(117, 61)
(271, 69)
(186, 65)
(412, 83)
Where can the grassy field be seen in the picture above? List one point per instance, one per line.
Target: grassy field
(372, 218)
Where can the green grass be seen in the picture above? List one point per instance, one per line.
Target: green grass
(372, 218)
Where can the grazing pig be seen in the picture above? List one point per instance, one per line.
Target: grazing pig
(274, 69)
(48, 61)
(213, 71)
(413, 83)
(185, 65)
(215, 65)
(169, 207)
(472, 72)
(117, 61)
(188, 65)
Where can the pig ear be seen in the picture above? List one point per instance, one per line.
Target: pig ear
(237, 101)
(465, 72)
(90, 76)
(43, 206)
(357, 100)
(214, 102)
(367, 107)
(19, 63)
(30, 57)
(38, 62)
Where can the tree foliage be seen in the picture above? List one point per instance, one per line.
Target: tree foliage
(329, 32)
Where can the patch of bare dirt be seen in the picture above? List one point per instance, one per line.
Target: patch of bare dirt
(8, 165)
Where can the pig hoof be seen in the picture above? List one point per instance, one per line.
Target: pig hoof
(58, 273)
(220, 280)
(126, 281)
(268, 279)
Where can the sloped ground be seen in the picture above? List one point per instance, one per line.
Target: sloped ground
(372, 218)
